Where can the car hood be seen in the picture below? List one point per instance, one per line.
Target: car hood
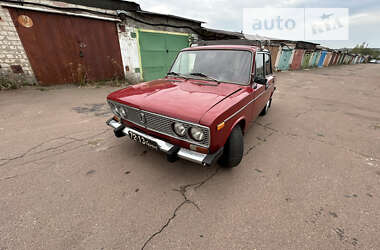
(184, 99)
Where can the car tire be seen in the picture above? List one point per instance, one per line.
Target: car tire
(266, 108)
(233, 149)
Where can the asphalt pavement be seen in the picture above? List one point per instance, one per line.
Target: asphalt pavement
(309, 179)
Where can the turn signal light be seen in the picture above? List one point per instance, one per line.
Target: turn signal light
(199, 149)
(220, 126)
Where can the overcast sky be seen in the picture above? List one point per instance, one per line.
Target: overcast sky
(227, 14)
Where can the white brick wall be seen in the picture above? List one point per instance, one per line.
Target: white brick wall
(12, 52)
(130, 54)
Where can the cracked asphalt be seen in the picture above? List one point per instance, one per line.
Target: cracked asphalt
(310, 177)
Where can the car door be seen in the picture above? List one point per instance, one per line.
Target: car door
(258, 89)
(263, 70)
(268, 75)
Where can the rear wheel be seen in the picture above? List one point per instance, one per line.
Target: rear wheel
(266, 108)
(233, 149)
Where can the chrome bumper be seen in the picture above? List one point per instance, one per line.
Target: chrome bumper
(183, 153)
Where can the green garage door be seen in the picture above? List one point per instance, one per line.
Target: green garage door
(158, 51)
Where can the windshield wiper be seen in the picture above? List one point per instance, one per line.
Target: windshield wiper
(204, 76)
(176, 74)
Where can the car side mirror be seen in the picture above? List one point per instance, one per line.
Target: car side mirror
(259, 80)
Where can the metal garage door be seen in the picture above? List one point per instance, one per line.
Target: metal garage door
(283, 64)
(314, 59)
(322, 58)
(297, 59)
(327, 59)
(158, 51)
(306, 59)
(68, 49)
(274, 52)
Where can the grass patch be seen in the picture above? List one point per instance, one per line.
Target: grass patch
(8, 82)
(99, 84)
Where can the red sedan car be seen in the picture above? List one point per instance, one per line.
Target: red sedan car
(201, 109)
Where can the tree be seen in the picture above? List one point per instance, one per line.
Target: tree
(364, 50)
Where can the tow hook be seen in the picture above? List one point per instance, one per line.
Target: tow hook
(119, 131)
(171, 155)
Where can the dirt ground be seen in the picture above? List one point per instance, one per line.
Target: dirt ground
(310, 177)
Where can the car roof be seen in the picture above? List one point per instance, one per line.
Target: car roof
(229, 47)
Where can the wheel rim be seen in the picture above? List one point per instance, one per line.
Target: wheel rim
(267, 105)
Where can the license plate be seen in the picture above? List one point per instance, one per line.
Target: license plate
(141, 139)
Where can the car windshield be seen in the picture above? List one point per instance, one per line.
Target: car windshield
(221, 65)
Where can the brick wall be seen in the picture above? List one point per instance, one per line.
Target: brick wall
(12, 53)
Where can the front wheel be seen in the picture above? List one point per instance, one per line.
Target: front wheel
(233, 149)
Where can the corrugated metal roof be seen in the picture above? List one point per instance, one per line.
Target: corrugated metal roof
(104, 5)
(169, 15)
(64, 12)
(308, 42)
(108, 5)
(222, 33)
(260, 38)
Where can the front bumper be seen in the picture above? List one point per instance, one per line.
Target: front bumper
(172, 151)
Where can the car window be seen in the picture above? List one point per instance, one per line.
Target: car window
(259, 65)
(185, 63)
(268, 65)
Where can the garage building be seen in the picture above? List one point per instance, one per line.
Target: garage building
(74, 41)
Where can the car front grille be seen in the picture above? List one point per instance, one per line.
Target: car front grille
(163, 124)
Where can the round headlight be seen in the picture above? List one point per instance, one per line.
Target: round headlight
(113, 108)
(179, 129)
(123, 112)
(117, 110)
(197, 134)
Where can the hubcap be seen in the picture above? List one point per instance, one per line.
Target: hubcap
(267, 106)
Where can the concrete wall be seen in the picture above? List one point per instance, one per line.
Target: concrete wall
(12, 52)
(130, 54)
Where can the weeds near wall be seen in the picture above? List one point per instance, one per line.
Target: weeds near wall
(81, 75)
(8, 83)
(116, 82)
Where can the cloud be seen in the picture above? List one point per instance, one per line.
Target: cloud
(227, 14)
(365, 18)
